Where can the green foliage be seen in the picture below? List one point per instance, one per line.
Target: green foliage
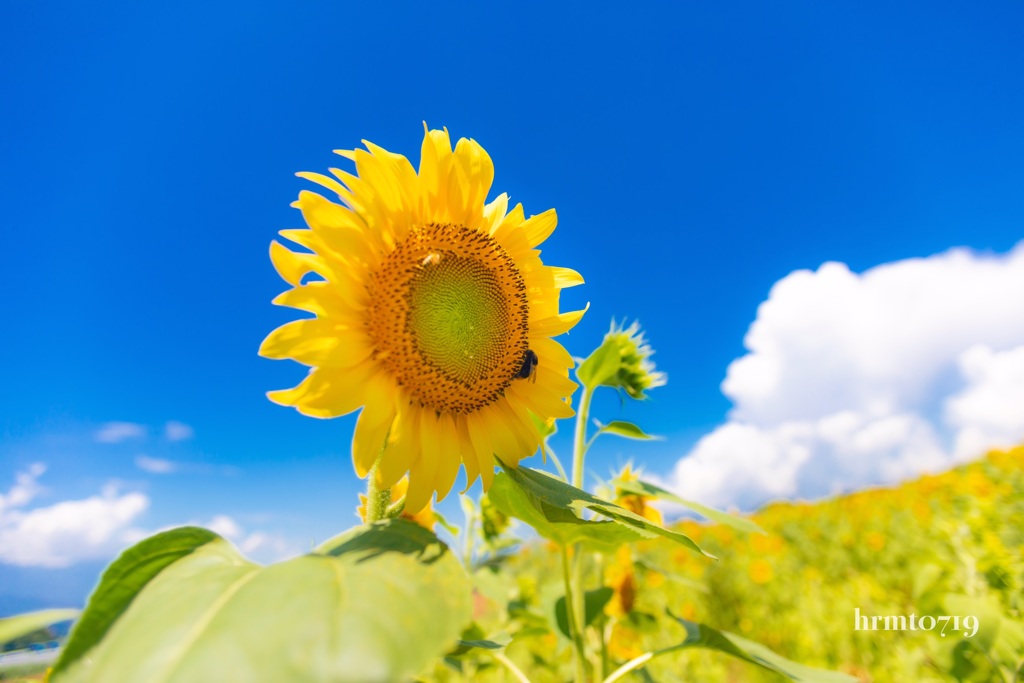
(123, 581)
(703, 636)
(642, 488)
(593, 602)
(554, 509)
(377, 603)
(624, 429)
(22, 625)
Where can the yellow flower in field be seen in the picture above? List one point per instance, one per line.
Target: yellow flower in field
(760, 572)
(875, 541)
(624, 643)
(433, 313)
(621, 578)
(424, 517)
(635, 503)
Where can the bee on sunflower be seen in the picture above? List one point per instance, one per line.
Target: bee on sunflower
(432, 313)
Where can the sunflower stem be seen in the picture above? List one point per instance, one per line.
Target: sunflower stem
(579, 657)
(395, 509)
(580, 447)
(377, 499)
(577, 606)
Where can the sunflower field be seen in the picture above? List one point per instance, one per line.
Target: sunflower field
(430, 312)
(941, 544)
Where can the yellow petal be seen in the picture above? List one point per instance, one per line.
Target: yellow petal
(482, 446)
(513, 219)
(448, 467)
(388, 191)
(326, 392)
(328, 183)
(541, 401)
(538, 228)
(424, 468)
(435, 163)
(478, 171)
(317, 342)
(494, 213)
(556, 324)
(403, 446)
(506, 447)
(339, 229)
(551, 354)
(371, 430)
(565, 277)
(518, 423)
(555, 381)
(468, 452)
(292, 266)
(321, 298)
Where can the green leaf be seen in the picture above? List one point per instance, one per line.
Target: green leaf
(553, 508)
(699, 635)
(443, 521)
(643, 488)
(594, 602)
(998, 636)
(600, 366)
(625, 429)
(377, 603)
(496, 642)
(121, 583)
(20, 625)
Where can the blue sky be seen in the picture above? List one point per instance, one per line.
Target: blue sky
(696, 156)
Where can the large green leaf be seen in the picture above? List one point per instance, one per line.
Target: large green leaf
(699, 635)
(377, 603)
(123, 580)
(593, 605)
(20, 625)
(643, 488)
(554, 509)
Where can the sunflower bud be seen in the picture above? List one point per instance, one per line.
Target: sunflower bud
(622, 361)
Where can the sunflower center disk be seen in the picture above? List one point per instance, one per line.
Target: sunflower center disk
(449, 314)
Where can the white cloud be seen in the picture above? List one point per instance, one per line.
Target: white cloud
(67, 532)
(178, 431)
(26, 487)
(155, 465)
(116, 432)
(225, 526)
(261, 545)
(854, 380)
(990, 410)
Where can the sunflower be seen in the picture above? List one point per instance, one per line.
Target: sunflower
(432, 312)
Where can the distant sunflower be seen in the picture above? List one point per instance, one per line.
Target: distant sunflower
(434, 314)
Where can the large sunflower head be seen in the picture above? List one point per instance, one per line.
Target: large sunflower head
(432, 311)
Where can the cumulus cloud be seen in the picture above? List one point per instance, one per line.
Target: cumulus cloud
(155, 465)
(854, 379)
(26, 487)
(178, 431)
(261, 545)
(116, 432)
(67, 532)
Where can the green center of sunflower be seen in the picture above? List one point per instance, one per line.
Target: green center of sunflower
(449, 314)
